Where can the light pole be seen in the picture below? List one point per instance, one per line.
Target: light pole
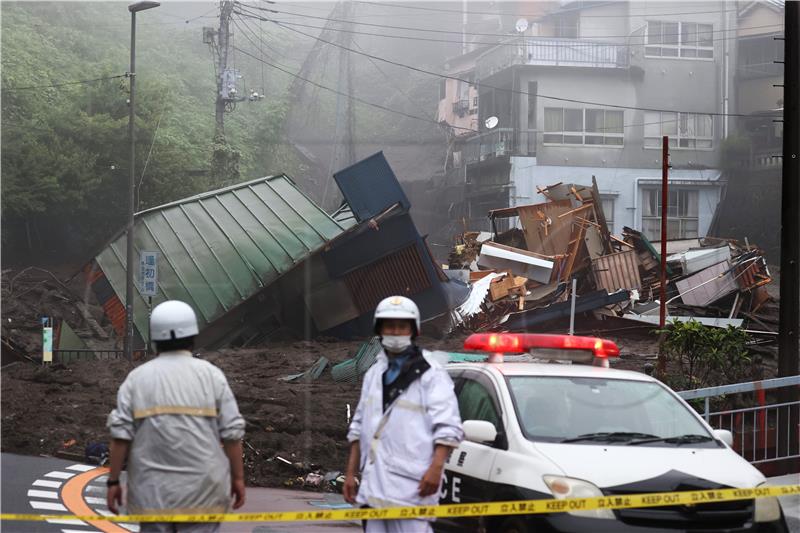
(133, 8)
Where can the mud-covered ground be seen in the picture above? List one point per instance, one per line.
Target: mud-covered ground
(45, 409)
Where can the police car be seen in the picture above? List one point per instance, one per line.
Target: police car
(545, 428)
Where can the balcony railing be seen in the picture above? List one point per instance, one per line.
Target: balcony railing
(498, 143)
(549, 51)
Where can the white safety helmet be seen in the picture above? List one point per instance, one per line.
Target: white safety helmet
(171, 320)
(398, 307)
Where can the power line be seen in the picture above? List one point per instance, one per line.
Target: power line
(354, 98)
(64, 84)
(539, 15)
(451, 32)
(390, 110)
(516, 91)
(516, 42)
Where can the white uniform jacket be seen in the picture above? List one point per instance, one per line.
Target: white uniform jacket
(397, 446)
(176, 410)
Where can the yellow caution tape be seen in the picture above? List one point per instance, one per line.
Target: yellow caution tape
(521, 507)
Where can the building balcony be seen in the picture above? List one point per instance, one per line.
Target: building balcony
(551, 51)
(498, 143)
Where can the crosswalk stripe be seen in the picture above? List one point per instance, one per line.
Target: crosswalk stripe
(60, 475)
(76, 530)
(81, 468)
(104, 512)
(48, 506)
(43, 494)
(94, 500)
(66, 522)
(130, 527)
(47, 483)
(101, 489)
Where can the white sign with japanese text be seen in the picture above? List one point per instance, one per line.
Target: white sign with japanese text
(148, 273)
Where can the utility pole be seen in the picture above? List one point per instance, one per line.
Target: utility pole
(789, 314)
(344, 148)
(662, 314)
(223, 41)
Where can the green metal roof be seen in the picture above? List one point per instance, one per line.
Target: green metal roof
(219, 248)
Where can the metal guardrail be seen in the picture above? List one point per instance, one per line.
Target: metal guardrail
(735, 388)
(761, 434)
(68, 356)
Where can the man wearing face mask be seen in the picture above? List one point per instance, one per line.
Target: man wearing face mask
(406, 423)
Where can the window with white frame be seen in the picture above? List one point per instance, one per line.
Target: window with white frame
(679, 39)
(607, 202)
(685, 130)
(682, 213)
(583, 126)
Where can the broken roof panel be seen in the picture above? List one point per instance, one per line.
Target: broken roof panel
(370, 186)
(220, 248)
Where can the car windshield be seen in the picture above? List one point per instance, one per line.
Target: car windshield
(586, 410)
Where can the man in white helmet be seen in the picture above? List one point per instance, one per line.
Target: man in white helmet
(406, 423)
(178, 426)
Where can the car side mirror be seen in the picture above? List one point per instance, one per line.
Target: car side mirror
(724, 435)
(479, 431)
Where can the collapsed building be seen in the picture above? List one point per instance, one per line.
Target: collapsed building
(553, 252)
(260, 260)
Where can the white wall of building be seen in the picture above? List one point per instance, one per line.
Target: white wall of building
(624, 185)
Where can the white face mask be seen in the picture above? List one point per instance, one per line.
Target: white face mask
(396, 343)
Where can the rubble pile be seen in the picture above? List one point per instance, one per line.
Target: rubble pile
(524, 272)
(31, 294)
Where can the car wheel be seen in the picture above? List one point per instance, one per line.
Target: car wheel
(513, 524)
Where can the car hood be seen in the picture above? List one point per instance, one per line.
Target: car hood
(668, 468)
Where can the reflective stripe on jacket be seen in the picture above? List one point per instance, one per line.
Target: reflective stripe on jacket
(176, 410)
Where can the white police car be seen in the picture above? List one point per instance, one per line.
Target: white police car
(536, 431)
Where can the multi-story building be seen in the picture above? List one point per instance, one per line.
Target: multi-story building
(759, 80)
(588, 89)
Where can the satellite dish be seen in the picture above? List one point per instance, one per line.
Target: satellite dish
(491, 122)
(521, 26)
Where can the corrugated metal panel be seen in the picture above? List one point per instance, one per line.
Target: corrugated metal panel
(219, 248)
(401, 272)
(707, 286)
(370, 186)
(617, 271)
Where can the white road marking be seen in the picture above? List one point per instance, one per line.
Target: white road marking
(75, 531)
(47, 483)
(43, 494)
(104, 512)
(130, 527)
(94, 500)
(66, 522)
(96, 488)
(81, 468)
(48, 506)
(60, 475)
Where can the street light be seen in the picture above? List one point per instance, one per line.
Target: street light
(133, 8)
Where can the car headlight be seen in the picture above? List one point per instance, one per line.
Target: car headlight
(566, 487)
(767, 509)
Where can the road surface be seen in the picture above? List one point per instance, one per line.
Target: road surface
(55, 486)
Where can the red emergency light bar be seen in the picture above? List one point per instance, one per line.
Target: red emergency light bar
(525, 342)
